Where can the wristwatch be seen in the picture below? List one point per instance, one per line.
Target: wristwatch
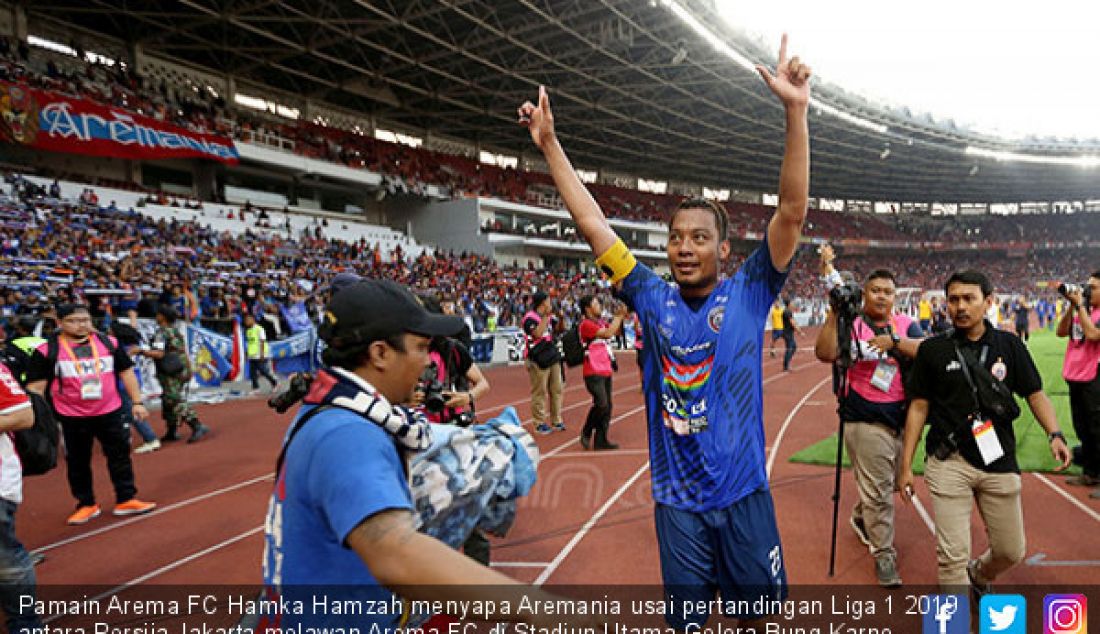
(895, 337)
(1056, 434)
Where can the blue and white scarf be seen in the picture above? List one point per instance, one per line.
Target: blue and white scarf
(339, 388)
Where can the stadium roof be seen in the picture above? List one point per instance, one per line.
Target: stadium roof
(635, 89)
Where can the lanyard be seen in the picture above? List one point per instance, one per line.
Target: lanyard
(76, 361)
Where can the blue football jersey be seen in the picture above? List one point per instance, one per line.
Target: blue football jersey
(703, 386)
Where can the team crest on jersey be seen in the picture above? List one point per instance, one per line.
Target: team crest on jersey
(714, 318)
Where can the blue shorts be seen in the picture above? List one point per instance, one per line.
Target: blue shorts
(734, 550)
(776, 334)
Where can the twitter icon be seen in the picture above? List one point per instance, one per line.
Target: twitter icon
(1003, 614)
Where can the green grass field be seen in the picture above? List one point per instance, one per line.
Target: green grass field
(1032, 448)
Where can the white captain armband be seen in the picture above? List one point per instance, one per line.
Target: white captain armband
(617, 262)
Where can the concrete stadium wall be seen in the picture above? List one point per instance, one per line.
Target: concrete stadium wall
(451, 225)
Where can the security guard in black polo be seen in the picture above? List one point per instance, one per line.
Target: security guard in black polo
(972, 454)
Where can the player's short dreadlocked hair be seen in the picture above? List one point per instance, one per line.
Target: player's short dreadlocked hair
(721, 218)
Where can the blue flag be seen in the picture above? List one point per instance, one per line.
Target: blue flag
(208, 354)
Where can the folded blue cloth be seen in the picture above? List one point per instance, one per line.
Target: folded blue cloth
(469, 478)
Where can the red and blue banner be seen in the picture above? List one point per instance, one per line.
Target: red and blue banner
(46, 120)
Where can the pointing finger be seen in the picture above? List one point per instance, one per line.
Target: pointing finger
(544, 99)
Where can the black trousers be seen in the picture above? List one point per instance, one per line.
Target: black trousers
(1084, 403)
(113, 433)
(599, 416)
(256, 367)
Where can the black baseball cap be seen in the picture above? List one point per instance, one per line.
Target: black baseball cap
(370, 310)
(343, 280)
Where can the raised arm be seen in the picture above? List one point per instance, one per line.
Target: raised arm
(592, 224)
(791, 84)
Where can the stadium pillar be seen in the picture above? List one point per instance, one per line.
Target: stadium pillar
(19, 22)
(137, 55)
(205, 176)
(230, 92)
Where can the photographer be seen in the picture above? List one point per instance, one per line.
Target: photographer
(599, 366)
(962, 385)
(342, 514)
(446, 393)
(872, 403)
(543, 364)
(452, 382)
(1080, 323)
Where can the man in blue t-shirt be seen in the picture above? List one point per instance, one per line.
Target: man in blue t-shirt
(702, 373)
(340, 524)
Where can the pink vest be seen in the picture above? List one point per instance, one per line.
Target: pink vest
(597, 360)
(859, 375)
(1081, 355)
(547, 336)
(65, 390)
(441, 376)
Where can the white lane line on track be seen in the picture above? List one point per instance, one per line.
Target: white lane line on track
(601, 454)
(160, 511)
(568, 548)
(169, 567)
(576, 440)
(542, 578)
(786, 423)
(588, 526)
(919, 508)
(519, 564)
(1072, 500)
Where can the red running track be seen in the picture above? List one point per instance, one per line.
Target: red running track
(588, 520)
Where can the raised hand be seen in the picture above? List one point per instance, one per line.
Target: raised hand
(538, 120)
(791, 81)
(827, 256)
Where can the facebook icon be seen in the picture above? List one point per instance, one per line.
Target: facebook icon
(945, 614)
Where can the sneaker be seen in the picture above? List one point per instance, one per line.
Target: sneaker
(860, 529)
(585, 441)
(607, 446)
(559, 426)
(543, 428)
(886, 570)
(134, 506)
(1095, 494)
(83, 514)
(197, 435)
(148, 447)
(1083, 480)
(171, 436)
(977, 590)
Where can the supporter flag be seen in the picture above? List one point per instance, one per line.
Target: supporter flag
(210, 365)
(294, 354)
(208, 351)
(297, 317)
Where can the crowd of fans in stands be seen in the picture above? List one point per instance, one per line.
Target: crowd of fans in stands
(78, 249)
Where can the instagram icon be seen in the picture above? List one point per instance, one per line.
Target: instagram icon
(1065, 614)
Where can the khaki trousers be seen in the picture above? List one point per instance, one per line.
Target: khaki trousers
(545, 383)
(954, 484)
(875, 453)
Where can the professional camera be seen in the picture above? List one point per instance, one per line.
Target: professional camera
(1065, 290)
(433, 388)
(296, 391)
(846, 298)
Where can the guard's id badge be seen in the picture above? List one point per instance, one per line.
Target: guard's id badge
(91, 389)
(884, 375)
(986, 438)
